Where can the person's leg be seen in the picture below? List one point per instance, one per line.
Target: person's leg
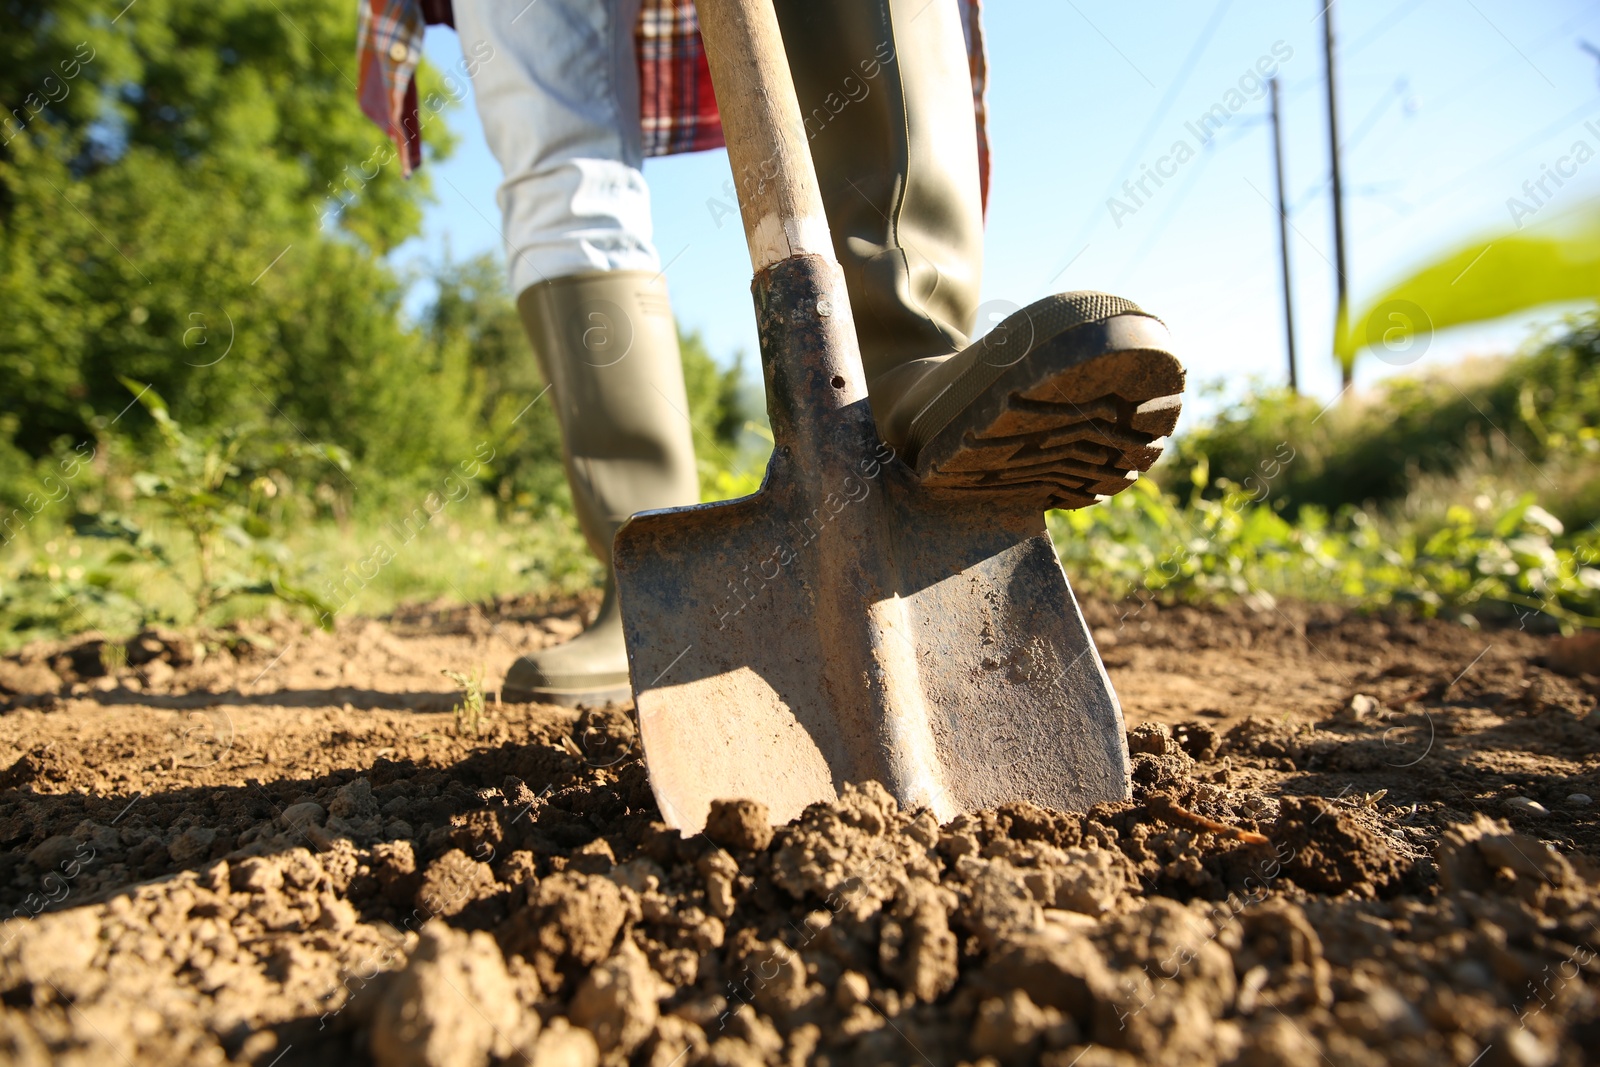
(1059, 403)
(559, 103)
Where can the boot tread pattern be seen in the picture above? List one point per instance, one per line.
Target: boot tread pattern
(1054, 446)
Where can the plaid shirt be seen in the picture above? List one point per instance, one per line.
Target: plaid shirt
(677, 110)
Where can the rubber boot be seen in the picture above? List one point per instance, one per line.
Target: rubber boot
(608, 347)
(1060, 403)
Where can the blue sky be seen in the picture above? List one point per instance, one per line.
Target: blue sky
(1446, 108)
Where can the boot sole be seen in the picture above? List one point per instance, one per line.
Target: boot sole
(1064, 419)
(569, 698)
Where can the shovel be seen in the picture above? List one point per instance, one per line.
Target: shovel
(845, 623)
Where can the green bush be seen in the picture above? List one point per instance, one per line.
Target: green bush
(1539, 408)
(1499, 558)
(168, 218)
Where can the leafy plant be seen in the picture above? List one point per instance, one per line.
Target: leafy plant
(1508, 558)
(198, 485)
(1540, 407)
(470, 713)
(1509, 272)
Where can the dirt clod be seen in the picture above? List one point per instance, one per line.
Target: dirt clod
(1330, 851)
(742, 824)
(617, 1002)
(452, 1006)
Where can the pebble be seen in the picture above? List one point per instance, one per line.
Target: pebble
(1359, 707)
(305, 814)
(1580, 800)
(1527, 805)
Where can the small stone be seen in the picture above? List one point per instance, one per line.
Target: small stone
(742, 824)
(1360, 706)
(1527, 806)
(305, 814)
(1580, 800)
(53, 852)
(192, 845)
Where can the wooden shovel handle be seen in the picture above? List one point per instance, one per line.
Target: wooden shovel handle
(766, 137)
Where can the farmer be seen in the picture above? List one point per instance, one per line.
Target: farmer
(573, 94)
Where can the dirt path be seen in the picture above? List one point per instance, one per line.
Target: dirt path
(285, 848)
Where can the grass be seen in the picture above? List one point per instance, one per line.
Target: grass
(58, 582)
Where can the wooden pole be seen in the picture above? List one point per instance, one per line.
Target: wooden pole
(1283, 236)
(1342, 313)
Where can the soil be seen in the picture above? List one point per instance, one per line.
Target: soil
(1353, 840)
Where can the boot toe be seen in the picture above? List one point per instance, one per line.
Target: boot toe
(569, 676)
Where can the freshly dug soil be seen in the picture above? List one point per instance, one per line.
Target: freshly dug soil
(1353, 840)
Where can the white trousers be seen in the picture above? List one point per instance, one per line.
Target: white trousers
(559, 102)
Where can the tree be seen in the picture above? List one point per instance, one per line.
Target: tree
(167, 213)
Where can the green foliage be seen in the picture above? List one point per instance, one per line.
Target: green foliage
(1502, 559)
(1535, 412)
(716, 395)
(469, 711)
(203, 207)
(205, 488)
(1510, 272)
(473, 322)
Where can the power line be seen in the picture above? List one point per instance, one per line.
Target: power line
(1209, 151)
(1479, 78)
(1368, 124)
(1154, 121)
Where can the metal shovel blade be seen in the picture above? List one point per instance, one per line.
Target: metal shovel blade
(844, 624)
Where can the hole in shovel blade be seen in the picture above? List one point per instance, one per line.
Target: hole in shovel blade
(838, 381)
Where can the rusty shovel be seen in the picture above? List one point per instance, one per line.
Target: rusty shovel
(845, 623)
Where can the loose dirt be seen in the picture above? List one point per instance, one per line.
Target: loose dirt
(1353, 840)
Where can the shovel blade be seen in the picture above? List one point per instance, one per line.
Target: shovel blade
(845, 624)
(980, 683)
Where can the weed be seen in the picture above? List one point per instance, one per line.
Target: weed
(470, 713)
(199, 485)
(113, 657)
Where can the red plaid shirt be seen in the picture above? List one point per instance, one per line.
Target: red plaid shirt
(677, 110)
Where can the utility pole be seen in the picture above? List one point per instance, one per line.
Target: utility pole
(1283, 235)
(1342, 314)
